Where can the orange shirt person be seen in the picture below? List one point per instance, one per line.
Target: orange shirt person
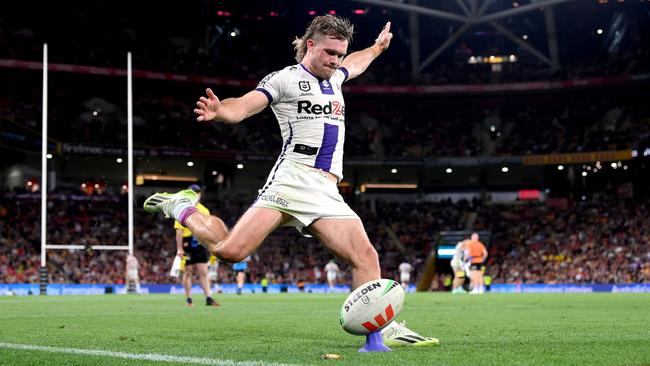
(477, 254)
(476, 251)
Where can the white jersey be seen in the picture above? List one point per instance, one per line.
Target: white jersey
(405, 268)
(331, 268)
(458, 259)
(131, 268)
(405, 272)
(311, 115)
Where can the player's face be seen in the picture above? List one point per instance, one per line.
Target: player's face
(327, 54)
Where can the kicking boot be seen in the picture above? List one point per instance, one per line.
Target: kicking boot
(171, 204)
(397, 334)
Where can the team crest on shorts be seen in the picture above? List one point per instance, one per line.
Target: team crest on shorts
(303, 85)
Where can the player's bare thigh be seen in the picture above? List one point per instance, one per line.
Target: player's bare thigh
(348, 240)
(249, 232)
(201, 268)
(189, 270)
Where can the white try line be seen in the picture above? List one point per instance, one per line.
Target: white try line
(140, 356)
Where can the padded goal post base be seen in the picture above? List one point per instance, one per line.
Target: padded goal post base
(42, 274)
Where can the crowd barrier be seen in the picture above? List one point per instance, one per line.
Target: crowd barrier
(569, 288)
(96, 289)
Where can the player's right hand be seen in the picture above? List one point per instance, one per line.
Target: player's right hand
(180, 252)
(384, 38)
(208, 108)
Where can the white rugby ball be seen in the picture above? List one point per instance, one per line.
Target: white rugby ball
(371, 306)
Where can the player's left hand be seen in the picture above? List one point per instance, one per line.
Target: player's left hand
(383, 39)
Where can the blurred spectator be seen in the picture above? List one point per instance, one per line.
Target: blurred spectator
(600, 241)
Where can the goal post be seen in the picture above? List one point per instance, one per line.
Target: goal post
(43, 269)
(43, 273)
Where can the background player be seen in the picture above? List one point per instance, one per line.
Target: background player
(240, 269)
(459, 267)
(332, 270)
(197, 256)
(476, 255)
(405, 269)
(132, 275)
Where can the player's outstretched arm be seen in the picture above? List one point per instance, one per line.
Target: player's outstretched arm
(231, 110)
(357, 62)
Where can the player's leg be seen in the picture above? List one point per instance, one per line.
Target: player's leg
(208, 229)
(456, 284)
(247, 235)
(331, 281)
(180, 206)
(481, 279)
(187, 283)
(241, 276)
(459, 280)
(204, 282)
(474, 282)
(405, 279)
(348, 240)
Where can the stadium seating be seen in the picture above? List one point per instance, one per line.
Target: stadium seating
(603, 240)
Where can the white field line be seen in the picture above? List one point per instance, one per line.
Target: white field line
(139, 356)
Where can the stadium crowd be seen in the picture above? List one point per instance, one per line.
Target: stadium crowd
(600, 240)
(398, 126)
(604, 240)
(200, 38)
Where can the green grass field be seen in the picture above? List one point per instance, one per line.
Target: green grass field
(494, 329)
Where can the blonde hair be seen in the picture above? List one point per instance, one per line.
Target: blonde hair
(325, 25)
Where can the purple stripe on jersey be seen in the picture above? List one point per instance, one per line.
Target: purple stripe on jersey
(288, 142)
(326, 87)
(265, 92)
(310, 73)
(345, 72)
(327, 147)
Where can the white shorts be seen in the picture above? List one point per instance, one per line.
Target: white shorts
(331, 276)
(459, 271)
(132, 276)
(405, 277)
(304, 193)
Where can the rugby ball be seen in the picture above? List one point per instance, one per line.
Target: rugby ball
(371, 306)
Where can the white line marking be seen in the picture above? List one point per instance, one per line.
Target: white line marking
(140, 356)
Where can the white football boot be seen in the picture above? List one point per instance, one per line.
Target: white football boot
(165, 203)
(397, 334)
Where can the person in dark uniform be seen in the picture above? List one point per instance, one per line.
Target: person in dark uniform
(197, 257)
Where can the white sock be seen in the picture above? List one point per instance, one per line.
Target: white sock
(180, 208)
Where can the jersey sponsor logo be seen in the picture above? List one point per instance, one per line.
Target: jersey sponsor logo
(304, 86)
(275, 199)
(304, 149)
(334, 107)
